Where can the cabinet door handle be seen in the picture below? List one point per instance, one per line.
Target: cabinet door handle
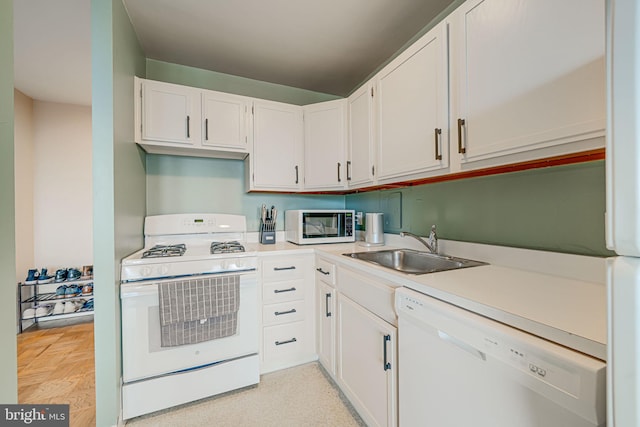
(206, 129)
(461, 149)
(293, 267)
(385, 339)
(188, 127)
(292, 340)
(320, 270)
(280, 313)
(438, 132)
(279, 291)
(339, 180)
(348, 170)
(326, 305)
(296, 174)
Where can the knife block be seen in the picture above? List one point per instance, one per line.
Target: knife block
(267, 232)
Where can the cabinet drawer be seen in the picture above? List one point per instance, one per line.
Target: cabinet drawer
(286, 341)
(369, 292)
(274, 314)
(326, 272)
(283, 269)
(278, 292)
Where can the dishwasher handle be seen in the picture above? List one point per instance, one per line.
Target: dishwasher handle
(462, 345)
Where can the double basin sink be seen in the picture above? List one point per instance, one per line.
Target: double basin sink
(414, 262)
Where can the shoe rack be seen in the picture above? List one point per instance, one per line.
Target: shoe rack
(32, 296)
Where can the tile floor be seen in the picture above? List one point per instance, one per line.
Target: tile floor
(56, 365)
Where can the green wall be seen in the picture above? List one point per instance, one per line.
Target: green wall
(190, 184)
(118, 187)
(8, 315)
(556, 209)
(197, 77)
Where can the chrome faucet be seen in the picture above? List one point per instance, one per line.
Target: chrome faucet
(431, 243)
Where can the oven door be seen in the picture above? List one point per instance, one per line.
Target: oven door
(142, 355)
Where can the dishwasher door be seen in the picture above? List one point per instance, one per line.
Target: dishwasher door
(459, 369)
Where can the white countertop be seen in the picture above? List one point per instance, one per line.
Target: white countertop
(558, 297)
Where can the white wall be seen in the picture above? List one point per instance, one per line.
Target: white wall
(24, 182)
(62, 204)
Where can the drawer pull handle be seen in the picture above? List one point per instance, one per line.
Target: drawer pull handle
(293, 267)
(280, 313)
(385, 339)
(320, 270)
(326, 305)
(292, 340)
(279, 291)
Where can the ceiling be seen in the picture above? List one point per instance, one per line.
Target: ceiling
(328, 46)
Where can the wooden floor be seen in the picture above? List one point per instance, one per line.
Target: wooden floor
(56, 365)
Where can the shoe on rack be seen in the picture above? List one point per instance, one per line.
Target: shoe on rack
(70, 307)
(59, 308)
(71, 291)
(73, 274)
(43, 311)
(88, 305)
(44, 278)
(29, 313)
(32, 277)
(61, 291)
(87, 289)
(61, 275)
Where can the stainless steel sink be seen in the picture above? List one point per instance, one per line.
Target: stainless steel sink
(414, 262)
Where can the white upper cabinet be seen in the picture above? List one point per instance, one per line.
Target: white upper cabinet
(528, 79)
(413, 110)
(181, 120)
(276, 160)
(361, 154)
(224, 121)
(170, 113)
(324, 145)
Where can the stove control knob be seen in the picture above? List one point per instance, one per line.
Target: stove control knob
(163, 270)
(146, 271)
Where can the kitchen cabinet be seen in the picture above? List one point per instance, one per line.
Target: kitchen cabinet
(324, 145)
(170, 114)
(413, 110)
(367, 346)
(361, 143)
(527, 81)
(224, 120)
(181, 120)
(276, 160)
(326, 314)
(288, 323)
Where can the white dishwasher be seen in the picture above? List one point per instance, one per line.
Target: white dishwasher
(460, 369)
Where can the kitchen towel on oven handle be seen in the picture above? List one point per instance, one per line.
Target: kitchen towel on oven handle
(197, 310)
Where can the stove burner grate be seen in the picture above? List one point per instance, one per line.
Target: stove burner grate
(226, 247)
(159, 251)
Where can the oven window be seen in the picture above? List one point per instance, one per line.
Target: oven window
(321, 225)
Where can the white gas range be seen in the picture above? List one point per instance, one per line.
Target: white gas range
(186, 250)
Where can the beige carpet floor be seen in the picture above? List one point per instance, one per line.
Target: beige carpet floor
(295, 397)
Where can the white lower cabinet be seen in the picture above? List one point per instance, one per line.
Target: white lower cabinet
(288, 323)
(367, 371)
(326, 315)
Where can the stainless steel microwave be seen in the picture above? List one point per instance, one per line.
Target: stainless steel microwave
(307, 227)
